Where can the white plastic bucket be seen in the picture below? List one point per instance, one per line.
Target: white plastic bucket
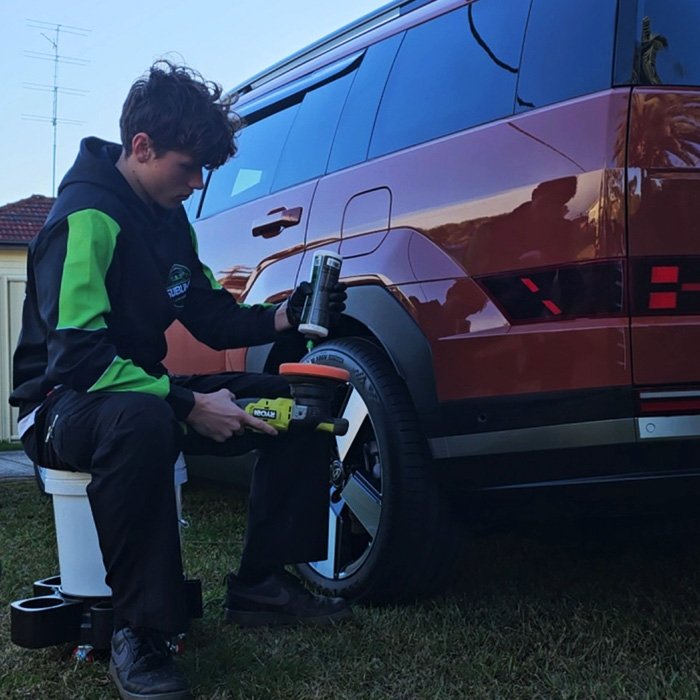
(79, 556)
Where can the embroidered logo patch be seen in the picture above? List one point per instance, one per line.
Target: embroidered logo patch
(178, 284)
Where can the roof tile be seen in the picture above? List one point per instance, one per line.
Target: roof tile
(21, 221)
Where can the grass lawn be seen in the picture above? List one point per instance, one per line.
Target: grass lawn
(569, 612)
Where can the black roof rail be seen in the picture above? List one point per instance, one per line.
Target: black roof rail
(373, 19)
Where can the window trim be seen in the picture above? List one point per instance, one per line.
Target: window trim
(285, 96)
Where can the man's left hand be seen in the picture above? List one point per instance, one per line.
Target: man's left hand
(289, 313)
(337, 296)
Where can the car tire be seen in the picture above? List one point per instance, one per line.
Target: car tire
(390, 530)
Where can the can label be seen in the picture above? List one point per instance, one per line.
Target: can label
(325, 272)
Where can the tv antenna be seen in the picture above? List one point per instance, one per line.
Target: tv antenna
(52, 33)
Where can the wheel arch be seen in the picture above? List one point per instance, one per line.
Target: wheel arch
(371, 312)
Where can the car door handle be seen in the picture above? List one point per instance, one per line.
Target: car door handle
(276, 220)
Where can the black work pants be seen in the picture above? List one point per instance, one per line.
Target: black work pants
(129, 442)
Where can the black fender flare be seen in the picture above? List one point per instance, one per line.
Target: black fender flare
(382, 315)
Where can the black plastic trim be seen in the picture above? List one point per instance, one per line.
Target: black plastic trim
(376, 309)
(294, 92)
(626, 61)
(256, 358)
(383, 14)
(403, 341)
(485, 415)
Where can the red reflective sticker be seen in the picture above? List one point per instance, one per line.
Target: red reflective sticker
(551, 306)
(664, 274)
(669, 406)
(663, 300)
(530, 284)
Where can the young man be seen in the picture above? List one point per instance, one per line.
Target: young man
(114, 265)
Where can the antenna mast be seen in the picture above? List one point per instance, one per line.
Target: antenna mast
(52, 33)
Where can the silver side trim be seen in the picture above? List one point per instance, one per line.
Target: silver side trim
(552, 437)
(668, 427)
(669, 394)
(549, 437)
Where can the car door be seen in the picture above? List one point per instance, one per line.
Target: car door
(252, 219)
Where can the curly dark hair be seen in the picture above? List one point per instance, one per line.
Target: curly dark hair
(181, 111)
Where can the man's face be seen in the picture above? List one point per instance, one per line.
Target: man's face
(169, 179)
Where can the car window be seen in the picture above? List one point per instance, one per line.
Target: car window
(308, 145)
(568, 51)
(668, 50)
(250, 172)
(357, 119)
(285, 141)
(455, 71)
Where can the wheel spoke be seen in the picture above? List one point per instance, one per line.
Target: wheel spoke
(364, 502)
(355, 411)
(355, 508)
(329, 567)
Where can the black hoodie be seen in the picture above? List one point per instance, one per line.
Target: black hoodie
(106, 276)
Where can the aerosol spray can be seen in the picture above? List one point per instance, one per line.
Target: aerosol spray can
(325, 272)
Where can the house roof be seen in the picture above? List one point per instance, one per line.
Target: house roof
(20, 221)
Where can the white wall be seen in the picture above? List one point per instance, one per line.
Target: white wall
(12, 280)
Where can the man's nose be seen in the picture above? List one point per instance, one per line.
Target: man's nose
(197, 181)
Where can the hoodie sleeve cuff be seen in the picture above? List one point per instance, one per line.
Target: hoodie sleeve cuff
(269, 322)
(181, 400)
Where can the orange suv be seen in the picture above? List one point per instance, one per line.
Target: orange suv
(514, 186)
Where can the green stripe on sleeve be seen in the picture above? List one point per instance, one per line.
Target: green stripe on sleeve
(83, 300)
(124, 375)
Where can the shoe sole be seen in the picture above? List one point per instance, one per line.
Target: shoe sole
(270, 619)
(128, 695)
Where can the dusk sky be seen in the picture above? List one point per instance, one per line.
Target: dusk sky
(113, 44)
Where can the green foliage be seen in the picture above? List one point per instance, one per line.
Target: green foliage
(10, 445)
(604, 611)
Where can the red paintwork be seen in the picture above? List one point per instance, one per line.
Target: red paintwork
(527, 192)
(485, 210)
(664, 211)
(543, 189)
(186, 355)
(253, 268)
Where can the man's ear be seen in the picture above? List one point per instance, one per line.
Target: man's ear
(142, 147)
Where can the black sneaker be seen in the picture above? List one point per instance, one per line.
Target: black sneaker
(142, 667)
(280, 599)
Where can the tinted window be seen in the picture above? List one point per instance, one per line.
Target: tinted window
(568, 51)
(668, 48)
(356, 122)
(286, 141)
(453, 72)
(305, 154)
(250, 172)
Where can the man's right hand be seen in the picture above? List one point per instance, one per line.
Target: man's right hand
(216, 416)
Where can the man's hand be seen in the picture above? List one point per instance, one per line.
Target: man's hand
(294, 305)
(216, 416)
(337, 296)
